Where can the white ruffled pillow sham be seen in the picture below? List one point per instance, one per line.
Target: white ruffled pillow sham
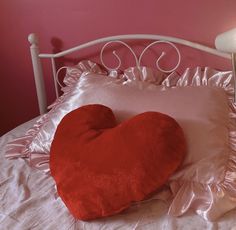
(201, 101)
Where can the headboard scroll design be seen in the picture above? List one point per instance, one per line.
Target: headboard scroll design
(138, 60)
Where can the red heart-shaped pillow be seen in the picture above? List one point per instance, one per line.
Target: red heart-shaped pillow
(100, 167)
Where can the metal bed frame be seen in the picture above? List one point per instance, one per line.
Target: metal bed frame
(37, 56)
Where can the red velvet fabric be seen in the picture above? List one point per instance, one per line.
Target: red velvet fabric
(100, 167)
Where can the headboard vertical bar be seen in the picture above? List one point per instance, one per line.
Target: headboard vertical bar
(54, 71)
(233, 59)
(38, 73)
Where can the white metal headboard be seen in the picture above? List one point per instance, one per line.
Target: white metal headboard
(37, 66)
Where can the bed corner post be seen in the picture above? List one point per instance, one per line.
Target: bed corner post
(38, 73)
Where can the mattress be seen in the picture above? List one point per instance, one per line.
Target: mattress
(29, 201)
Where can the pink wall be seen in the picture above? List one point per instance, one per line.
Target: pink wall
(77, 21)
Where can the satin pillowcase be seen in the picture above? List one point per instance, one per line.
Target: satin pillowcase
(207, 183)
(197, 100)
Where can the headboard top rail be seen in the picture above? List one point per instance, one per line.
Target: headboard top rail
(131, 37)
